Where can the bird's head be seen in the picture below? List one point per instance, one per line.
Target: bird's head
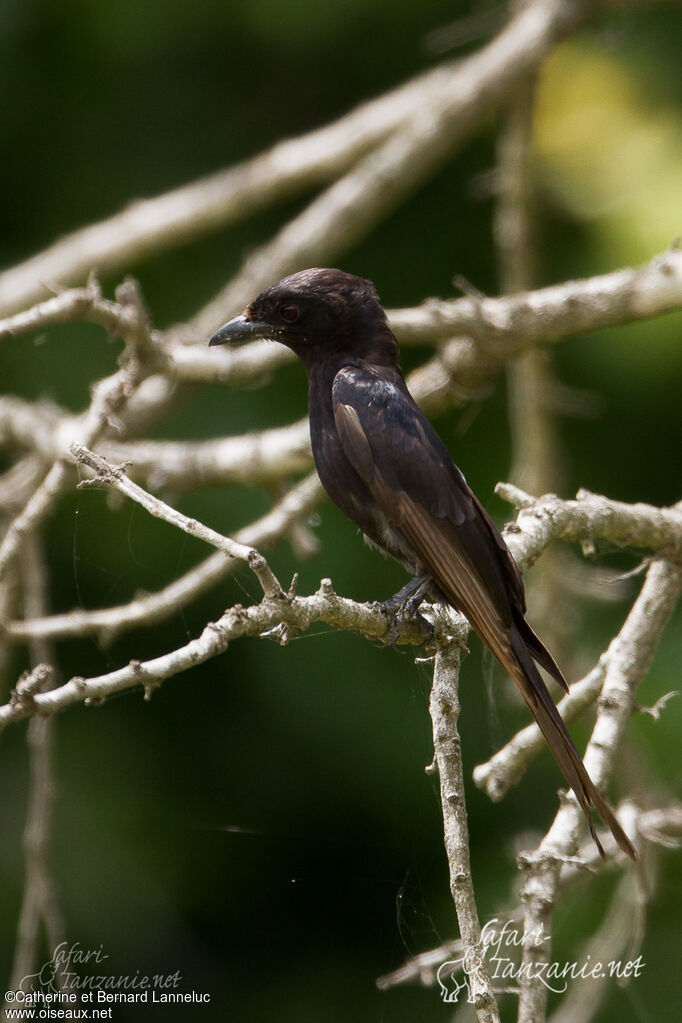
(314, 312)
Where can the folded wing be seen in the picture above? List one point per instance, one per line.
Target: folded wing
(425, 497)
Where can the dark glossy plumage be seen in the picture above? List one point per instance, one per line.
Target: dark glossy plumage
(384, 465)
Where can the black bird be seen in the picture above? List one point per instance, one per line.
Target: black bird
(384, 465)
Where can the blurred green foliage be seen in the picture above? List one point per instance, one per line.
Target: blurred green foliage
(265, 825)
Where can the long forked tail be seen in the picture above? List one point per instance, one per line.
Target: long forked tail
(526, 647)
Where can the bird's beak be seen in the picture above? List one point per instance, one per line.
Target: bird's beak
(240, 329)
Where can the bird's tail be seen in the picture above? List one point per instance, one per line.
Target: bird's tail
(526, 648)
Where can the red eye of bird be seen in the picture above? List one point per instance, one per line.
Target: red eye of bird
(290, 313)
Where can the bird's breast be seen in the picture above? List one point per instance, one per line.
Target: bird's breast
(348, 490)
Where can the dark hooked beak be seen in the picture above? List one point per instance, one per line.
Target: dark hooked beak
(240, 329)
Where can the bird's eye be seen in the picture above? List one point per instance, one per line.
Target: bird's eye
(289, 312)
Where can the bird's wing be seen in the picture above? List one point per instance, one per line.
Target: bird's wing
(424, 496)
(411, 476)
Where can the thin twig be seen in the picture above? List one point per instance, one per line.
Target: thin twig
(109, 398)
(115, 477)
(107, 623)
(506, 767)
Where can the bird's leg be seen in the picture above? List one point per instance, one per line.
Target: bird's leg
(412, 593)
(406, 603)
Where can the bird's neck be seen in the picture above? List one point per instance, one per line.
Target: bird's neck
(322, 370)
(377, 349)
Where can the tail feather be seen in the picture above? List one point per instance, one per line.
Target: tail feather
(539, 652)
(525, 674)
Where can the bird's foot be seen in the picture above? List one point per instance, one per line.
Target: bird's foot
(404, 607)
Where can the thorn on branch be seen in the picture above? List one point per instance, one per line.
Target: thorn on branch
(468, 289)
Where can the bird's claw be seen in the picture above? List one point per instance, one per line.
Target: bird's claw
(400, 612)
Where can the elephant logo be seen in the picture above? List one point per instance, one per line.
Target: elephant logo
(450, 987)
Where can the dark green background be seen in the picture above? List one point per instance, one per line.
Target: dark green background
(264, 825)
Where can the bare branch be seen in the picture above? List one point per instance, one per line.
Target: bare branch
(109, 397)
(290, 167)
(366, 163)
(591, 517)
(286, 613)
(661, 827)
(488, 331)
(85, 303)
(552, 313)
(39, 904)
(505, 769)
(247, 458)
(29, 425)
(155, 607)
(491, 331)
(499, 329)
(115, 477)
(353, 204)
(458, 94)
(626, 668)
(444, 708)
(19, 482)
(608, 944)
